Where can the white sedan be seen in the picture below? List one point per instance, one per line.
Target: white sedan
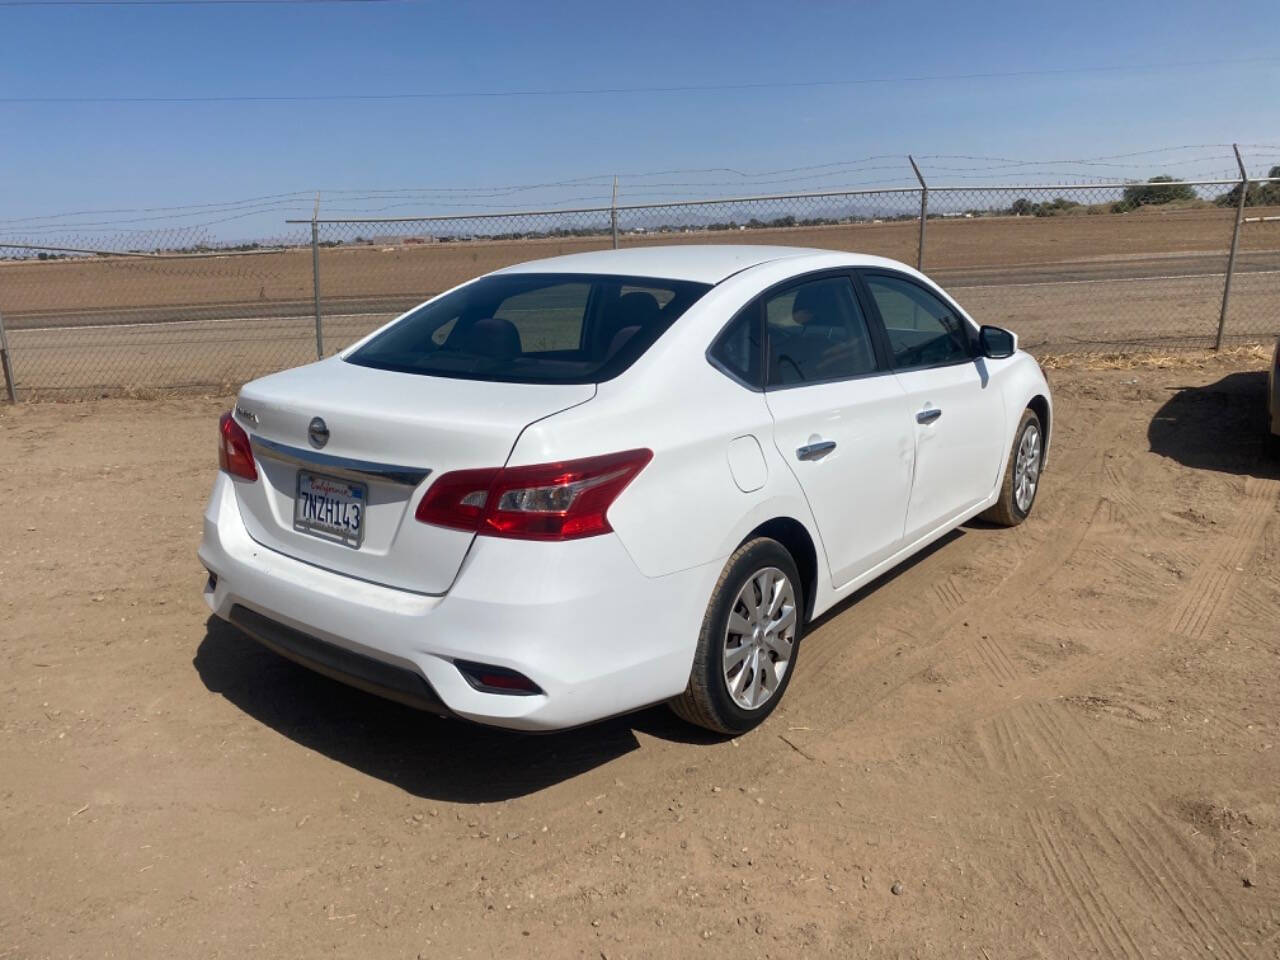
(579, 486)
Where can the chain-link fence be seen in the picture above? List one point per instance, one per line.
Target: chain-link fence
(1102, 267)
(137, 315)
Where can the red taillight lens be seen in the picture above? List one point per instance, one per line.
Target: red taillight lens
(234, 454)
(458, 499)
(550, 501)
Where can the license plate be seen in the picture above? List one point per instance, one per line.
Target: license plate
(329, 508)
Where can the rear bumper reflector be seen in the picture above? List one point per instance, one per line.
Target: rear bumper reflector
(491, 679)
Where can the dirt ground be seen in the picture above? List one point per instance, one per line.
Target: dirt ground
(1057, 741)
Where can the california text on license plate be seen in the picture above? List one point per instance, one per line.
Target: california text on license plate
(329, 508)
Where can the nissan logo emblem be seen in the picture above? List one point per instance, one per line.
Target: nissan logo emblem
(317, 432)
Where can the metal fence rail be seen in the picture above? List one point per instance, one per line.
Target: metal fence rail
(1102, 267)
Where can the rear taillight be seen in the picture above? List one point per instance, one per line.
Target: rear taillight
(549, 501)
(234, 453)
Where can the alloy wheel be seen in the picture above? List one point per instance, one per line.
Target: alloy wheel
(760, 638)
(1026, 468)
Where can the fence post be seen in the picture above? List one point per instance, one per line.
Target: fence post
(315, 277)
(1235, 242)
(6, 361)
(924, 211)
(613, 213)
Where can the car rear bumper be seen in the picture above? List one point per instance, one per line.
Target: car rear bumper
(577, 618)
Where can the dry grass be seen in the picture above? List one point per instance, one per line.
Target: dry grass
(1158, 359)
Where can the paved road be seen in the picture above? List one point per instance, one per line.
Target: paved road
(1145, 267)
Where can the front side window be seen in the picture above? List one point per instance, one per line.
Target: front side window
(923, 331)
(533, 328)
(816, 332)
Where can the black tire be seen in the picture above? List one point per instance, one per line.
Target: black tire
(1006, 511)
(707, 700)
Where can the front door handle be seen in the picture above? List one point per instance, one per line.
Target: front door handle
(815, 451)
(928, 416)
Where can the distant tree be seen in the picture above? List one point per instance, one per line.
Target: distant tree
(1270, 192)
(1022, 207)
(1157, 190)
(1259, 195)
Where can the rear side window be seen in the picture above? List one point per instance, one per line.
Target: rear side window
(533, 328)
(737, 351)
(923, 331)
(816, 332)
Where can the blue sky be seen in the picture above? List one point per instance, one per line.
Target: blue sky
(57, 157)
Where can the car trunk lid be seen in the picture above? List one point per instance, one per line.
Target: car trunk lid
(386, 436)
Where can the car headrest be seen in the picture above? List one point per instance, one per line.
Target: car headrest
(493, 337)
(818, 301)
(620, 340)
(637, 309)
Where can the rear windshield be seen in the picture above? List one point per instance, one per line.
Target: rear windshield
(533, 328)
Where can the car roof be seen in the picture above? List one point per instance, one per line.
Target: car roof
(702, 263)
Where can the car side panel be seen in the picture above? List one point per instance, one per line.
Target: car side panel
(958, 455)
(859, 491)
(685, 508)
(1020, 381)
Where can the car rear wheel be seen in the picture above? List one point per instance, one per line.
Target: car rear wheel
(1022, 475)
(747, 647)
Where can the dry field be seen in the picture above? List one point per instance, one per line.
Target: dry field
(1064, 283)
(34, 293)
(1061, 740)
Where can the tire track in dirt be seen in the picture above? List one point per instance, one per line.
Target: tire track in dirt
(922, 636)
(1090, 908)
(1038, 739)
(1035, 741)
(1154, 853)
(989, 655)
(1121, 475)
(1259, 604)
(1216, 579)
(948, 595)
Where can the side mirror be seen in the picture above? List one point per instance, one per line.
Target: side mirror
(997, 343)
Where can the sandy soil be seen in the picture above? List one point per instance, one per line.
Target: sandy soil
(1061, 740)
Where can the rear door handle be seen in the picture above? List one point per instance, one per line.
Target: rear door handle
(815, 451)
(928, 416)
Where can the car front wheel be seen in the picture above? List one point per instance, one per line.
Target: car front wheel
(1022, 475)
(747, 647)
